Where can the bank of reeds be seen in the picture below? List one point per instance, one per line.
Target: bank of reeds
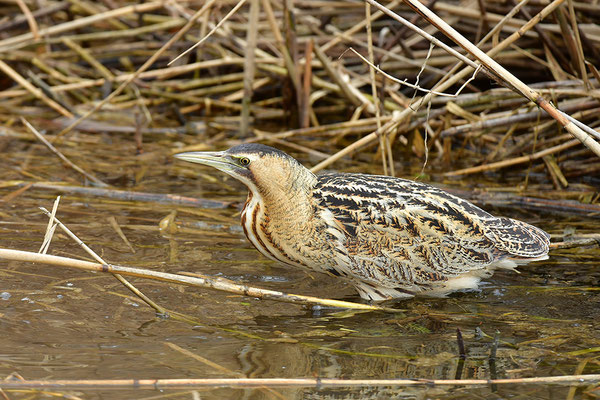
(296, 74)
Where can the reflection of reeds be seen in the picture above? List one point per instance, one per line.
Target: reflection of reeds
(281, 71)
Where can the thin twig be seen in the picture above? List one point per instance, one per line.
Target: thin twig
(51, 228)
(410, 85)
(514, 161)
(14, 41)
(128, 195)
(14, 75)
(249, 65)
(61, 156)
(213, 30)
(33, 26)
(125, 282)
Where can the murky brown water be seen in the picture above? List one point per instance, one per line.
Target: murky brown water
(67, 324)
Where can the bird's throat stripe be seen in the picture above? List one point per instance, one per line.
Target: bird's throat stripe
(277, 250)
(253, 236)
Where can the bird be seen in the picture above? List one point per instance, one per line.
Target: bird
(388, 237)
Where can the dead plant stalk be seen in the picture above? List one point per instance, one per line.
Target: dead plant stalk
(162, 384)
(204, 281)
(504, 75)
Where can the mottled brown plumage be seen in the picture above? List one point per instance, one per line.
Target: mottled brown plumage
(388, 237)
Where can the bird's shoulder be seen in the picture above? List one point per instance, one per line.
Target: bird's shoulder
(362, 202)
(389, 195)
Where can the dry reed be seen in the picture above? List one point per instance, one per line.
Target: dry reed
(68, 54)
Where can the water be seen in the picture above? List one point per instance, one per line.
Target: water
(60, 323)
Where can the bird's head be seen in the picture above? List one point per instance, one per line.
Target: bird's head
(261, 168)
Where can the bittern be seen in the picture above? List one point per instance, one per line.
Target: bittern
(388, 237)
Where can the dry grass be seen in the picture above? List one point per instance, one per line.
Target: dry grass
(84, 66)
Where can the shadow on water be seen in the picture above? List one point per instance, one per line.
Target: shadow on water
(67, 324)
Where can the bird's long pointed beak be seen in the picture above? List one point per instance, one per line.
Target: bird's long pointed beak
(215, 159)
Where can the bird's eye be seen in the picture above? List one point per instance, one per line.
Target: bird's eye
(244, 161)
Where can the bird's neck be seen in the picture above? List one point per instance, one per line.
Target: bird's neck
(280, 221)
(289, 193)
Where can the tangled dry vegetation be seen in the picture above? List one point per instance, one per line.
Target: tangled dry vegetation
(308, 87)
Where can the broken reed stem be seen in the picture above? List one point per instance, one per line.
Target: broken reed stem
(514, 161)
(14, 42)
(127, 195)
(305, 109)
(117, 228)
(220, 284)
(33, 27)
(60, 155)
(383, 147)
(36, 92)
(125, 282)
(50, 228)
(212, 31)
(316, 383)
(493, 121)
(249, 65)
(359, 143)
(196, 357)
(89, 58)
(336, 77)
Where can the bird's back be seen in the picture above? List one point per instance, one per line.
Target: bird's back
(417, 238)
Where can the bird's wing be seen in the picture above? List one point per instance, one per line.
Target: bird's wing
(519, 239)
(409, 231)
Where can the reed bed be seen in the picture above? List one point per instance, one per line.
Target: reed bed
(331, 79)
(340, 84)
